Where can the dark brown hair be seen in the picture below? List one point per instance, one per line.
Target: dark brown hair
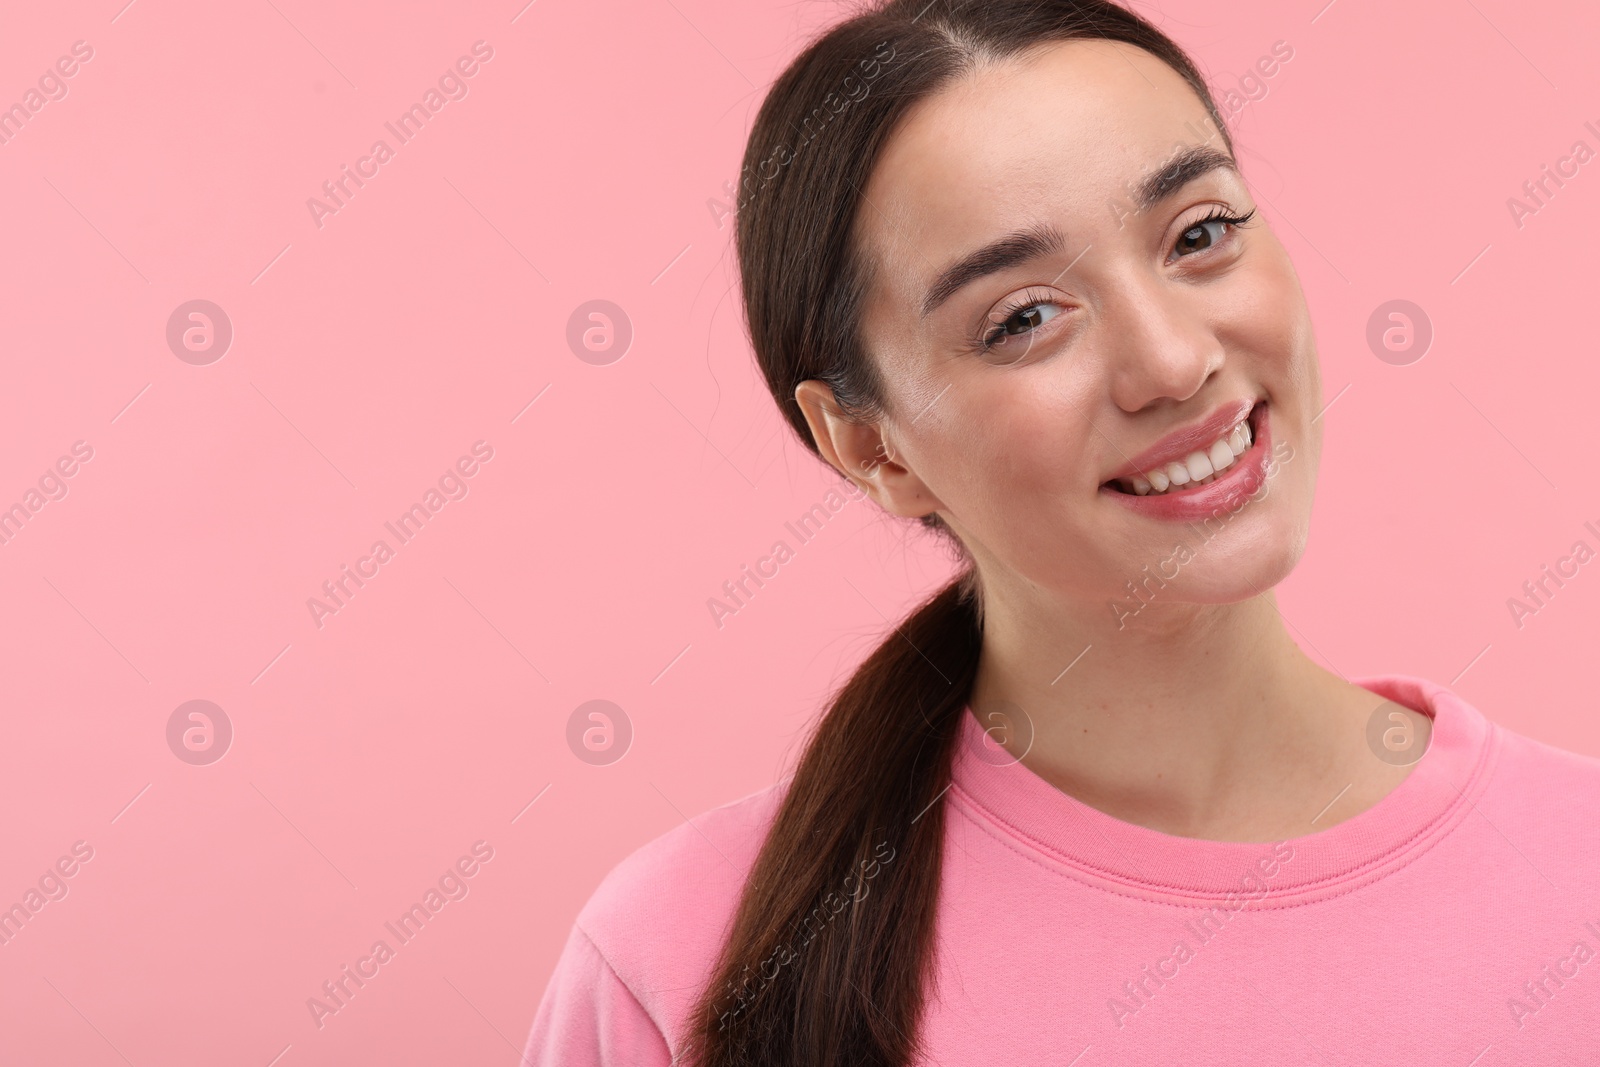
(828, 951)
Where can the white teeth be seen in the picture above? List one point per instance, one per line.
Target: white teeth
(1200, 467)
(1237, 440)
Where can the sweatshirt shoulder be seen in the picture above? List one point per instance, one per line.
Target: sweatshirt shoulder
(1537, 766)
(1538, 804)
(659, 917)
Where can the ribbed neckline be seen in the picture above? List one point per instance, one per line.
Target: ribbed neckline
(1120, 857)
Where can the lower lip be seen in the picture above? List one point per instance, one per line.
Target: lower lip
(1228, 492)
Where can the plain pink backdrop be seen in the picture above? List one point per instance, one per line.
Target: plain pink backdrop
(586, 162)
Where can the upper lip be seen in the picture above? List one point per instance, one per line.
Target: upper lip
(1192, 438)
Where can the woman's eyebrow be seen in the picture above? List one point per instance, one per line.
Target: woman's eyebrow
(1042, 239)
(1181, 169)
(1036, 241)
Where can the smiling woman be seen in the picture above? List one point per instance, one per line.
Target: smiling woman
(947, 314)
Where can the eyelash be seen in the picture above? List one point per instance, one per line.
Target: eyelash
(1029, 299)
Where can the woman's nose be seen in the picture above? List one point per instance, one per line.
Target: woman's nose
(1158, 342)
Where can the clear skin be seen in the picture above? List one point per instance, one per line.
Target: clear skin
(1198, 716)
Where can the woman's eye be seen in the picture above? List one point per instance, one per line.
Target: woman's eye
(1025, 319)
(1198, 238)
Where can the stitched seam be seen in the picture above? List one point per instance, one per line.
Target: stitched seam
(623, 982)
(1011, 837)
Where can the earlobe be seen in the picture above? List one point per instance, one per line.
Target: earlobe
(860, 451)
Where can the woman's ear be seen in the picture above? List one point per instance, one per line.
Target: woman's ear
(862, 453)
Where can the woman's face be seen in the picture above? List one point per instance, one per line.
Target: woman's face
(1019, 388)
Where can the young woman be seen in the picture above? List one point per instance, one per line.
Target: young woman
(1089, 804)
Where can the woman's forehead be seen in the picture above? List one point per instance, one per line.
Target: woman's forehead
(1062, 133)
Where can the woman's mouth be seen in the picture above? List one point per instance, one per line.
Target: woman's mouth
(1215, 476)
(1200, 467)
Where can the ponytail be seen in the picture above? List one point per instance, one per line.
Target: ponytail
(844, 890)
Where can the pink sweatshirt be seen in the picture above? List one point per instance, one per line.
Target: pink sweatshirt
(1451, 923)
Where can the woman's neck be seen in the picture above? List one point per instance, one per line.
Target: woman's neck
(1203, 721)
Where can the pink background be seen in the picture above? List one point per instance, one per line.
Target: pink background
(371, 352)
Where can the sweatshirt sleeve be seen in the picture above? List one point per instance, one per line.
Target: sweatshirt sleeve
(590, 1018)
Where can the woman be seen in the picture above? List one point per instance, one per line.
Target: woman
(1002, 273)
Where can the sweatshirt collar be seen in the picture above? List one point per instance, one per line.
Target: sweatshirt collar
(1006, 798)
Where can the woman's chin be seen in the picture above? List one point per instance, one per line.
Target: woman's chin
(1222, 571)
